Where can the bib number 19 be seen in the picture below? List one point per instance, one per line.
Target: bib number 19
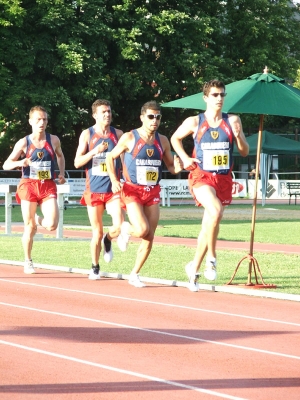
(220, 160)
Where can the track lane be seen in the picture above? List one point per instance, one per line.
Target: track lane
(196, 346)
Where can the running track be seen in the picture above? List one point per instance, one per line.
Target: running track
(65, 337)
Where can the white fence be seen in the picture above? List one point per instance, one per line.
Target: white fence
(171, 189)
(178, 188)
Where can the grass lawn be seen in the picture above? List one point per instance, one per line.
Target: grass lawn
(279, 224)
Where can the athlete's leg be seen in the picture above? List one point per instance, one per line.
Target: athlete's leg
(150, 217)
(95, 216)
(50, 213)
(213, 213)
(201, 244)
(117, 214)
(139, 224)
(28, 212)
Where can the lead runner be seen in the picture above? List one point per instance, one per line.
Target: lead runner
(210, 180)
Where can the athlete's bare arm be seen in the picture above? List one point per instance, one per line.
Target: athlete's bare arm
(83, 156)
(13, 161)
(239, 137)
(173, 163)
(60, 159)
(119, 134)
(187, 128)
(124, 145)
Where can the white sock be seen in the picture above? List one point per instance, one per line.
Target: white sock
(211, 260)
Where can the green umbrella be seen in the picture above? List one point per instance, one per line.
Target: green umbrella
(258, 94)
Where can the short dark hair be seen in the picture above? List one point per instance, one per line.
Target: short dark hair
(213, 83)
(150, 105)
(37, 108)
(98, 103)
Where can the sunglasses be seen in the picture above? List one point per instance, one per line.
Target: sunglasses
(152, 116)
(218, 94)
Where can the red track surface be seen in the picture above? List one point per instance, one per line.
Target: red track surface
(106, 339)
(65, 337)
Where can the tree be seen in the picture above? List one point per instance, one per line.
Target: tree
(65, 54)
(258, 33)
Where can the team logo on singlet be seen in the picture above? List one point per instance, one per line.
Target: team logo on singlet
(105, 144)
(214, 134)
(40, 154)
(150, 152)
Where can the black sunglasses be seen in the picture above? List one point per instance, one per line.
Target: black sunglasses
(218, 94)
(152, 116)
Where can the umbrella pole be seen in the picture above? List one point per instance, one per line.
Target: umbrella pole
(253, 264)
(259, 144)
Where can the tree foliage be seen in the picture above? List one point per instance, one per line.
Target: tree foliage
(65, 54)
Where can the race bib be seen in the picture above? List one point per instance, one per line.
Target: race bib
(40, 171)
(99, 165)
(146, 175)
(214, 160)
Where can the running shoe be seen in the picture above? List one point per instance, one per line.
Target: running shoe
(107, 249)
(134, 280)
(210, 271)
(193, 285)
(94, 274)
(28, 267)
(124, 236)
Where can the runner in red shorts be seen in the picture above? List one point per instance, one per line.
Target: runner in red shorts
(144, 150)
(36, 154)
(95, 143)
(210, 181)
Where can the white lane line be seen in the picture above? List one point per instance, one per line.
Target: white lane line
(154, 302)
(273, 353)
(123, 371)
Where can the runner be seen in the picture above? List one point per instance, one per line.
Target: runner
(95, 143)
(210, 180)
(144, 151)
(35, 154)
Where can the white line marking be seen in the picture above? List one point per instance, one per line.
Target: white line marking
(122, 371)
(154, 331)
(154, 302)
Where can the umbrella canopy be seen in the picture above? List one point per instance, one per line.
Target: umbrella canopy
(258, 94)
(271, 144)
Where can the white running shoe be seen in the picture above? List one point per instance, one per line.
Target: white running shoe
(134, 280)
(28, 267)
(94, 274)
(193, 285)
(124, 236)
(210, 271)
(107, 249)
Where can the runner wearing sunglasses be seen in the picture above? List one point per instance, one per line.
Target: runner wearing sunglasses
(210, 166)
(144, 151)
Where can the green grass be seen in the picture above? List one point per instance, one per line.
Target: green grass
(280, 232)
(185, 222)
(167, 262)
